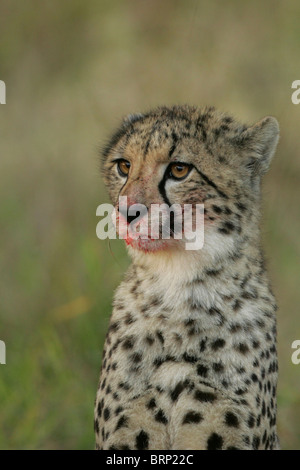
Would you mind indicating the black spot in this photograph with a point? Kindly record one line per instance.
(204, 396)
(155, 302)
(150, 340)
(189, 322)
(229, 226)
(188, 358)
(231, 420)
(218, 367)
(214, 442)
(177, 390)
(251, 421)
(151, 404)
(250, 295)
(142, 441)
(256, 442)
(161, 417)
(124, 386)
(122, 422)
(114, 326)
(223, 230)
(218, 344)
(241, 206)
(258, 420)
(240, 391)
(232, 448)
(103, 384)
(264, 437)
(158, 361)
(227, 210)
(192, 417)
(160, 337)
(217, 209)
(119, 409)
(192, 331)
(129, 319)
(202, 370)
(136, 357)
(99, 409)
(128, 343)
(242, 348)
(237, 305)
(106, 414)
(96, 426)
(213, 272)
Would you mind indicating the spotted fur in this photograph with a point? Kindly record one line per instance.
(190, 360)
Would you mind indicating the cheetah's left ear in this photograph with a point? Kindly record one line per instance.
(132, 118)
(260, 141)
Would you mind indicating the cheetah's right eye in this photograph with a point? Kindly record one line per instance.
(123, 167)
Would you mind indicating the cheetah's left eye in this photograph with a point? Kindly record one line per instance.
(178, 171)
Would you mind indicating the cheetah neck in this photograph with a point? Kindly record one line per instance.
(186, 283)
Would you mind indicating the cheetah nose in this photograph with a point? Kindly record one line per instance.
(141, 210)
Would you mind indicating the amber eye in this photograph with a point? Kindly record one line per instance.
(179, 171)
(123, 167)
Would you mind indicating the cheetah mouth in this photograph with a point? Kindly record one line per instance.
(150, 245)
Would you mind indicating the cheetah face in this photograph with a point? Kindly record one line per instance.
(185, 155)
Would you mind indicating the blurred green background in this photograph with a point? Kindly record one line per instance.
(72, 69)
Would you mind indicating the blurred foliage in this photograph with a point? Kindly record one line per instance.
(72, 69)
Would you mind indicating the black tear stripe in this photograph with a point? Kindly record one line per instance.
(174, 143)
(211, 183)
(162, 184)
(162, 191)
(162, 188)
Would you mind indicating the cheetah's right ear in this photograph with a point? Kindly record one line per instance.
(259, 144)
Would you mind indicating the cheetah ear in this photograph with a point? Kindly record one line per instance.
(132, 118)
(259, 142)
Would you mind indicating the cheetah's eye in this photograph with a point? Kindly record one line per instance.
(123, 167)
(178, 171)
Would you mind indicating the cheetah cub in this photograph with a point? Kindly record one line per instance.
(190, 360)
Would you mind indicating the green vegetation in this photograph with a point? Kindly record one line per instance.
(71, 70)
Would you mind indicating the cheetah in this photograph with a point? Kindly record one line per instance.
(190, 360)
